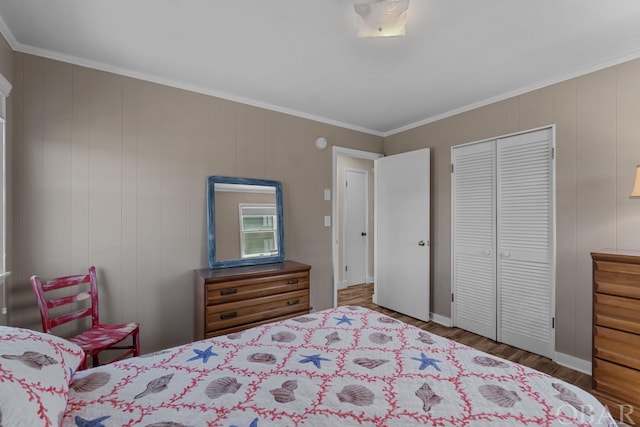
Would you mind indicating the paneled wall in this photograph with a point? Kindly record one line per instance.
(598, 146)
(111, 171)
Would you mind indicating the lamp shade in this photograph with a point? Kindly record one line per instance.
(635, 193)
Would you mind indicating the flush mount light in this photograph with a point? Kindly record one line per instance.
(381, 18)
(321, 143)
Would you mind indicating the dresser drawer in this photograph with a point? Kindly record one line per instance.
(617, 312)
(223, 316)
(615, 380)
(235, 290)
(621, 279)
(245, 326)
(616, 346)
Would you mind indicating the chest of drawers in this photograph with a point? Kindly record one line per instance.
(616, 332)
(232, 299)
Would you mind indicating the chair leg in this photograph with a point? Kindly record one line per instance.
(136, 344)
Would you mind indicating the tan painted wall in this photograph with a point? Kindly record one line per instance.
(597, 119)
(111, 171)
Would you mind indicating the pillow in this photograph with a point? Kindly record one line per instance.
(35, 371)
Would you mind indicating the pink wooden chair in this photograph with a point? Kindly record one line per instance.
(98, 337)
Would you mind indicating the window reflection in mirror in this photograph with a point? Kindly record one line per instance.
(244, 221)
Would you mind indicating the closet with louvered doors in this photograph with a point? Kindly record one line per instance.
(503, 239)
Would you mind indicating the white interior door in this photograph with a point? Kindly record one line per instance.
(355, 227)
(473, 187)
(402, 213)
(526, 242)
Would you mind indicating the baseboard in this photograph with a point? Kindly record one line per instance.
(574, 363)
(441, 320)
(370, 279)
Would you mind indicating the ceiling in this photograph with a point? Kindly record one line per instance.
(303, 57)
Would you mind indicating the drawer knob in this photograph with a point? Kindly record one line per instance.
(292, 282)
(229, 291)
(231, 315)
(293, 301)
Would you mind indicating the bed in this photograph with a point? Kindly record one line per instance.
(347, 366)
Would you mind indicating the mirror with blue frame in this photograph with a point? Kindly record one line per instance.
(244, 221)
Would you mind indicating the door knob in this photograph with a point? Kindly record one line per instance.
(363, 234)
(421, 243)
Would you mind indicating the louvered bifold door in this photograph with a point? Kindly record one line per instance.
(474, 230)
(525, 242)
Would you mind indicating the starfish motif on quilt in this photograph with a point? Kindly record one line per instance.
(315, 359)
(81, 422)
(425, 362)
(254, 423)
(203, 354)
(344, 319)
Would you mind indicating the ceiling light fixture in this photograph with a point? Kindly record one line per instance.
(381, 18)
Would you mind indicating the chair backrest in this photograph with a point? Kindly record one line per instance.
(75, 292)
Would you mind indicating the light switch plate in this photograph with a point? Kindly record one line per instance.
(327, 220)
(327, 194)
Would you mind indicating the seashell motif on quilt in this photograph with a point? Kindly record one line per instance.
(571, 398)
(425, 338)
(220, 386)
(155, 386)
(32, 359)
(91, 382)
(428, 397)
(379, 338)
(499, 395)
(304, 319)
(356, 395)
(388, 320)
(332, 337)
(489, 362)
(369, 363)
(285, 394)
(235, 336)
(266, 358)
(283, 336)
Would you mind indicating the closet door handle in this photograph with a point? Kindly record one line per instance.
(506, 254)
(421, 243)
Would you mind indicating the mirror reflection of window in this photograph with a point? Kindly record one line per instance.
(258, 230)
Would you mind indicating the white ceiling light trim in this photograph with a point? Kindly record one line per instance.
(381, 18)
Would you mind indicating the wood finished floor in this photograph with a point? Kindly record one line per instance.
(361, 295)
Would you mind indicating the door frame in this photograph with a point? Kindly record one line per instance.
(366, 219)
(335, 152)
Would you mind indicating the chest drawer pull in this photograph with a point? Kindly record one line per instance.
(229, 291)
(230, 315)
(293, 301)
(292, 282)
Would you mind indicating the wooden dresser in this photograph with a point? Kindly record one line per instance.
(616, 332)
(232, 299)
